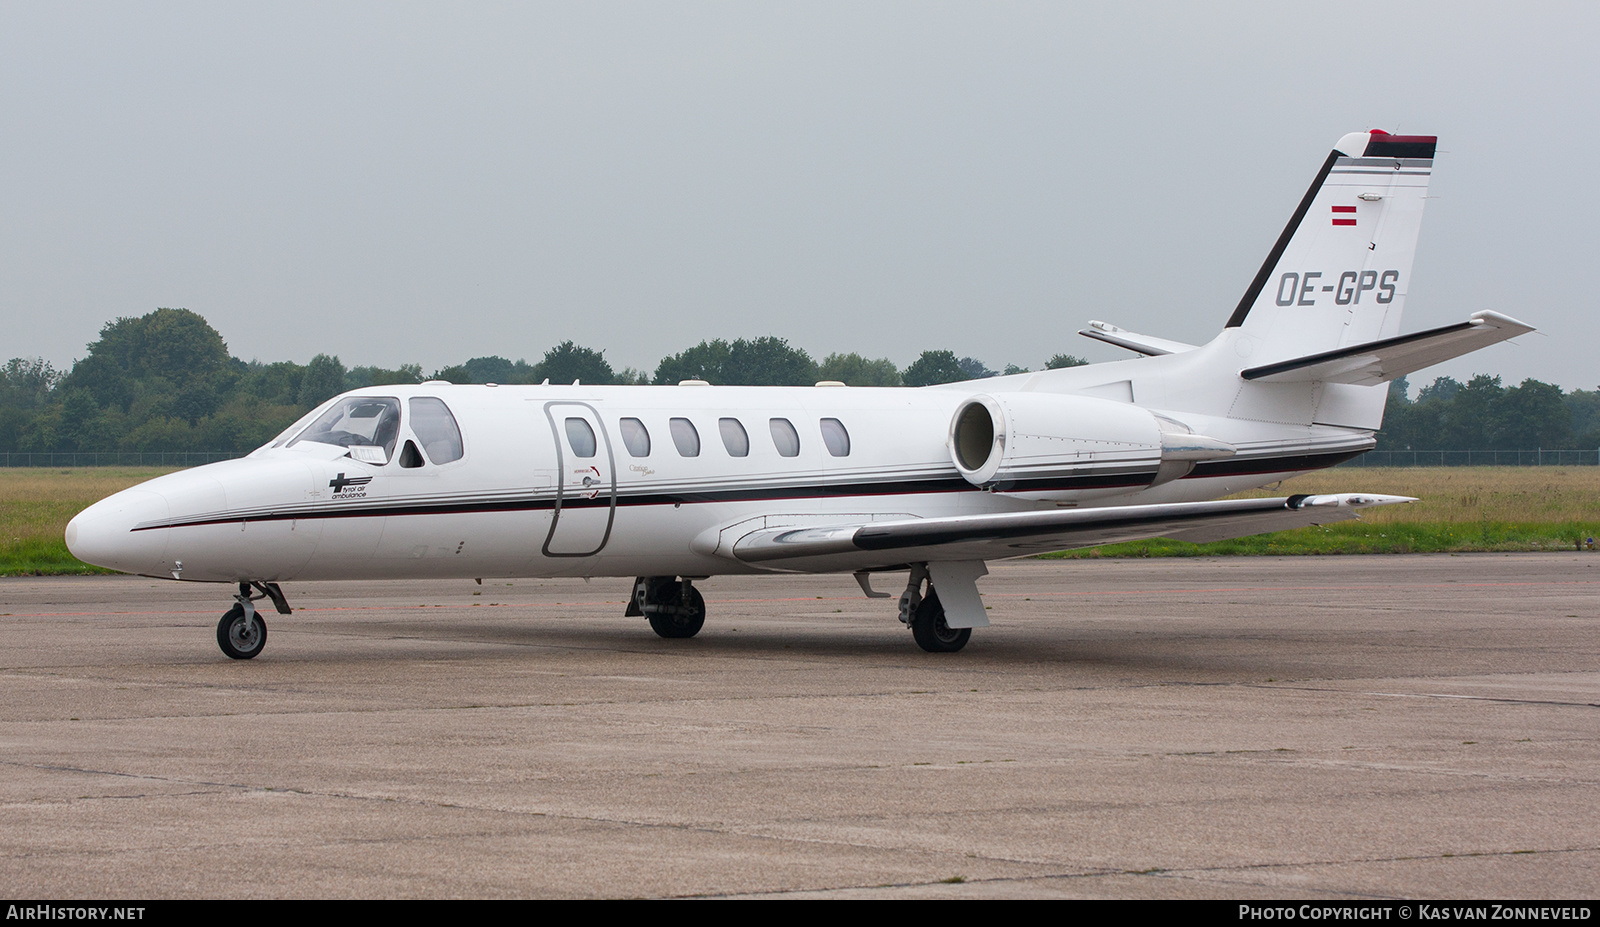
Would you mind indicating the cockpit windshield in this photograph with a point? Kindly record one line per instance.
(367, 425)
(299, 425)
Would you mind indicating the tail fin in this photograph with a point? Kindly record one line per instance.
(1339, 272)
(1317, 334)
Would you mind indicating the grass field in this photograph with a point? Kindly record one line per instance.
(37, 502)
(1462, 509)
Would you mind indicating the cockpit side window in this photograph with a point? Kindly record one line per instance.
(367, 425)
(436, 428)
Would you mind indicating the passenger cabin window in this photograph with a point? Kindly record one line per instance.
(436, 428)
(635, 437)
(785, 438)
(835, 437)
(685, 437)
(369, 426)
(734, 437)
(581, 437)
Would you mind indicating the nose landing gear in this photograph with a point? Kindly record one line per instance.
(242, 633)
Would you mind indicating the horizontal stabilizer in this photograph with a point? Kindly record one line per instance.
(1389, 358)
(866, 545)
(1144, 344)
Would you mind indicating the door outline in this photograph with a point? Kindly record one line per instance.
(561, 478)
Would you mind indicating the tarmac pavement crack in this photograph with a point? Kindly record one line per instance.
(1158, 872)
(1560, 703)
(511, 706)
(1432, 770)
(759, 832)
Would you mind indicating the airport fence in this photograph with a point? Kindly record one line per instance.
(1538, 457)
(113, 458)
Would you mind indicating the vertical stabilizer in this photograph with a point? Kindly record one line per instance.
(1338, 274)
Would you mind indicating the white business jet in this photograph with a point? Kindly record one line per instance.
(675, 484)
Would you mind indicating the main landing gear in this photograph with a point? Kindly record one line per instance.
(674, 606)
(924, 615)
(938, 624)
(242, 633)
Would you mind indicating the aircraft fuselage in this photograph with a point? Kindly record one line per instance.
(524, 500)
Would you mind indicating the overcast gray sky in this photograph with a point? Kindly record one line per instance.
(395, 182)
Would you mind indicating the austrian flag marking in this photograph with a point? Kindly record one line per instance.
(1344, 215)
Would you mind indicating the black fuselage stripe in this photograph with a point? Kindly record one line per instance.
(1230, 467)
(884, 488)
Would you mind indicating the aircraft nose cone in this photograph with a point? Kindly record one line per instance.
(103, 534)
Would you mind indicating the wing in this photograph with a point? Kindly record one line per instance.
(866, 545)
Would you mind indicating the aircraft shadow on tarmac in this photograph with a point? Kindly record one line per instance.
(1170, 653)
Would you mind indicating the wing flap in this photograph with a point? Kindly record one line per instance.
(1021, 534)
(1384, 360)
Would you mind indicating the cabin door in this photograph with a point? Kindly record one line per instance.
(586, 481)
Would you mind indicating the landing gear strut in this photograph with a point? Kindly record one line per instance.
(242, 633)
(923, 614)
(674, 606)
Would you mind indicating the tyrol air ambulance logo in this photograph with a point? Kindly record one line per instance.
(353, 487)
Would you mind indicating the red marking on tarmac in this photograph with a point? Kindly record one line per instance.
(1340, 588)
(846, 598)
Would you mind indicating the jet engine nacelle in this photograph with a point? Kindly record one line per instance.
(1061, 448)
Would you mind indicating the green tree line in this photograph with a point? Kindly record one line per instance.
(166, 382)
(1481, 415)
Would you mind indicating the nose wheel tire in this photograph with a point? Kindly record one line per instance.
(238, 638)
(675, 616)
(930, 631)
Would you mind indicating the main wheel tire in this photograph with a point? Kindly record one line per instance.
(235, 640)
(930, 631)
(671, 619)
